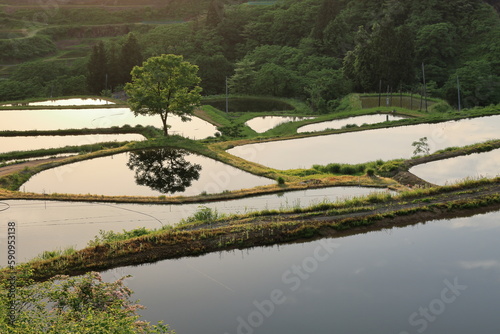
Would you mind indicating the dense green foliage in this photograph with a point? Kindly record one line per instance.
(315, 50)
(164, 85)
(64, 305)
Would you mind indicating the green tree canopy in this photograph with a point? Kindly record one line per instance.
(164, 85)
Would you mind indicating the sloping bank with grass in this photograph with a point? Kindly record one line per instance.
(209, 232)
(285, 180)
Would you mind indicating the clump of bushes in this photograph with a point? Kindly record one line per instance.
(111, 236)
(203, 215)
(370, 172)
(390, 167)
(347, 169)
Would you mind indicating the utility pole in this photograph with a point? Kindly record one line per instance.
(227, 97)
(425, 87)
(458, 89)
(387, 97)
(379, 92)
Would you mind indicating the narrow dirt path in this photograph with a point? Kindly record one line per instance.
(10, 169)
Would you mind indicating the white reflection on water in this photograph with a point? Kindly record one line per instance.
(339, 123)
(263, 123)
(26, 143)
(61, 119)
(369, 145)
(66, 102)
(71, 102)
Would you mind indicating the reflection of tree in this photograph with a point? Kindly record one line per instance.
(164, 170)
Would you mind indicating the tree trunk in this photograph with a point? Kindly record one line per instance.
(164, 121)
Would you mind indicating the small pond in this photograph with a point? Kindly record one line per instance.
(144, 173)
(369, 145)
(248, 104)
(340, 123)
(61, 119)
(455, 169)
(264, 123)
(49, 225)
(438, 277)
(28, 143)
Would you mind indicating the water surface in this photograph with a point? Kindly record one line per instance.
(340, 123)
(122, 174)
(29, 143)
(61, 119)
(66, 102)
(72, 102)
(455, 169)
(264, 123)
(49, 225)
(370, 283)
(369, 145)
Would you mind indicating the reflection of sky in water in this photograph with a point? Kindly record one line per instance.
(264, 123)
(8, 144)
(371, 283)
(369, 145)
(72, 102)
(456, 169)
(111, 176)
(53, 224)
(339, 123)
(98, 118)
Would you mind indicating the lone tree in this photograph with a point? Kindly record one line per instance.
(164, 85)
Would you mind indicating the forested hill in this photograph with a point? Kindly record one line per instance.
(322, 49)
(316, 50)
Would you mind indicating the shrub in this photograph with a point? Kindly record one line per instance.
(390, 167)
(347, 170)
(370, 172)
(360, 168)
(441, 107)
(84, 304)
(203, 215)
(333, 168)
(281, 181)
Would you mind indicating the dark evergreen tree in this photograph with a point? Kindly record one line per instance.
(130, 56)
(327, 12)
(97, 69)
(115, 73)
(215, 13)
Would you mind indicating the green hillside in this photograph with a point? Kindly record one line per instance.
(314, 50)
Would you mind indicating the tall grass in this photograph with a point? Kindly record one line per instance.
(204, 215)
(111, 236)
